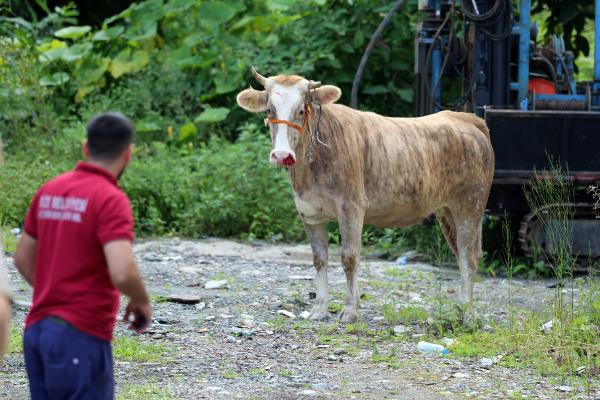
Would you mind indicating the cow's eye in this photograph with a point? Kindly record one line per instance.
(270, 111)
(301, 112)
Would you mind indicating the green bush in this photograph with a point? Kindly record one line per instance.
(221, 189)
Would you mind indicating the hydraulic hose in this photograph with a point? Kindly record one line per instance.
(370, 46)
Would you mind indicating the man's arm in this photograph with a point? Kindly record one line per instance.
(25, 257)
(126, 277)
(5, 310)
(5, 314)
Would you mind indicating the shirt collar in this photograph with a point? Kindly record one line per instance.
(95, 169)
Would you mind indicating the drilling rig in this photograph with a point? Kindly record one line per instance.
(486, 55)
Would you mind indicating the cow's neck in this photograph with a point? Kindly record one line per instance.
(311, 153)
(300, 172)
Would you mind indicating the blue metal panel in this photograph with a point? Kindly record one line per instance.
(436, 69)
(524, 30)
(561, 97)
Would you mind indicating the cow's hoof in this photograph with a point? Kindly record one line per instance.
(348, 316)
(317, 315)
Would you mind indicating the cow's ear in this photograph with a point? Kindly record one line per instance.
(253, 100)
(327, 94)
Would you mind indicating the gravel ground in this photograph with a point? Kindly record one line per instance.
(235, 343)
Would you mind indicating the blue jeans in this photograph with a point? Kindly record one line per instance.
(64, 363)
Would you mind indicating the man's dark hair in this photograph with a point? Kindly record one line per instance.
(108, 135)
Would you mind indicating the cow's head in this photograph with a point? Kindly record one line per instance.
(286, 99)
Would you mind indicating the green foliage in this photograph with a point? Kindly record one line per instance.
(169, 37)
(222, 189)
(569, 19)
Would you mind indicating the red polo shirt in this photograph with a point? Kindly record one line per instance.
(72, 217)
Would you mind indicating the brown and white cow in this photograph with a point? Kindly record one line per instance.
(359, 167)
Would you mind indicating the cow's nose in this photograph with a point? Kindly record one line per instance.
(280, 157)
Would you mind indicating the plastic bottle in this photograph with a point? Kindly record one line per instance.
(401, 261)
(432, 348)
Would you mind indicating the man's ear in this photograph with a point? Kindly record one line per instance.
(85, 149)
(327, 94)
(129, 153)
(253, 100)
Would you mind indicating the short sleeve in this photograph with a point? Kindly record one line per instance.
(115, 220)
(31, 217)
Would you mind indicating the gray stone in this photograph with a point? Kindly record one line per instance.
(460, 375)
(241, 332)
(215, 284)
(339, 351)
(486, 362)
(287, 313)
(184, 298)
(320, 386)
(401, 330)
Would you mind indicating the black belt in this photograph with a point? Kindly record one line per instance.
(58, 320)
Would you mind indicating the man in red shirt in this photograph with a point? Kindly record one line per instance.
(76, 252)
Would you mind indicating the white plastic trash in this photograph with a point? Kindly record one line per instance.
(432, 348)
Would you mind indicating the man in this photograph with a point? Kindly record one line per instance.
(5, 310)
(76, 252)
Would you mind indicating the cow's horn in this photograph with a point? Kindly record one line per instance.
(259, 78)
(313, 85)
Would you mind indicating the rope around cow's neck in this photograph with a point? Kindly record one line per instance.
(314, 136)
(306, 123)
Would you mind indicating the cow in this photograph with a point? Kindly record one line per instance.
(359, 168)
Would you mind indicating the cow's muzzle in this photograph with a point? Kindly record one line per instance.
(280, 157)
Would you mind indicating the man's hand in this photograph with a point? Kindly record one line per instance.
(126, 277)
(142, 315)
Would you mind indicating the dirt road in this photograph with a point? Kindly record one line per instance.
(246, 338)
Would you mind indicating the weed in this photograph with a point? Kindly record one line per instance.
(379, 284)
(286, 373)
(158, 298)
(391, 359)
(335, 307)
(133, 349)
(396, 272)
(148, 391)
(279, 323)
(15, 340)
(257, 371)
(366, 297)
(302, 325)
(406, 314)
(231, 374)
(356, 328)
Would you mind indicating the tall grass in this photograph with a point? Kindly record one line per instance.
(575, 335)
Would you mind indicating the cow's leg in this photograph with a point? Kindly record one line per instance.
(448, 227)
(351, 224)
(469, 251)
(318, 242)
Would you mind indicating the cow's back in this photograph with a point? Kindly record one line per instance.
(407, 167)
